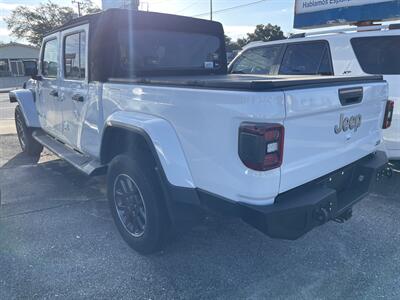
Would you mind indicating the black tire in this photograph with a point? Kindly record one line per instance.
(28, 144)
(145, 198)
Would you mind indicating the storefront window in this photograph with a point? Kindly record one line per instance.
(4, 70)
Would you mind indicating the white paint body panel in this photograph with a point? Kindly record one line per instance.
(206, 123)
(26, 101)
(313, 148)
(345, 63)
(164, 139)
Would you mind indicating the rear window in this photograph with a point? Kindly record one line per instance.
(378, 55)
(166, 52)
(261, 60)
(310, 58)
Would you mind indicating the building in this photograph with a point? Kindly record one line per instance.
(130, 4)
(16, 58)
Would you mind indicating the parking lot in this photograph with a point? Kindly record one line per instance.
(57, 239)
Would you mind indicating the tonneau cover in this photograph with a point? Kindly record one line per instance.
(250, 82)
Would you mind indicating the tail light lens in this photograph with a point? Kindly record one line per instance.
(387, 121)
(261, 145)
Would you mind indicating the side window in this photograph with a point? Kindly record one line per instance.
(378, 54)
(261, 60)
(306, 59)
(49, 60)
(4, 69)
(325, 67)
(75, 56)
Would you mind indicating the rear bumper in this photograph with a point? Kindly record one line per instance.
(298, 211)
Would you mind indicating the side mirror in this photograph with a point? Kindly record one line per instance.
(31, 68)
(37, 77)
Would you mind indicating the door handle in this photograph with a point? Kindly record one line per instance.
(350, 96)
(78, 98)
(54, 93)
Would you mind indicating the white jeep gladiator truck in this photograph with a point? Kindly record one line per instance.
(146, 99)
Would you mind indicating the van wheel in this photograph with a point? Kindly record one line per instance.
(28, 144)
(136, 204)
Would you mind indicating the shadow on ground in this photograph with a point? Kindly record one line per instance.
(57, 239)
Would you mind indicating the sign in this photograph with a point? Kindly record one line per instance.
(323, 13)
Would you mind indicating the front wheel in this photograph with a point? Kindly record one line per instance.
(136, 204)
(28, 144)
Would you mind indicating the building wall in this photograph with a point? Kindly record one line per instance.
(16, 60)
(16, 51)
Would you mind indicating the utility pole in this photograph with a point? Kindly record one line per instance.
(79, 6)
(211, 10)
(145, 3)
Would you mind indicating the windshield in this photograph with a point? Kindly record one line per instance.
(151, 51)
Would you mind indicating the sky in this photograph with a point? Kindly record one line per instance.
(237, 22)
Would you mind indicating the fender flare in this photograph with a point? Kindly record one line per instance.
(26, 100)
(163, 141)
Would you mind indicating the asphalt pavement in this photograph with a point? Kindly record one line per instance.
(57, 240)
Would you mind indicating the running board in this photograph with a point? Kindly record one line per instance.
(83, 163)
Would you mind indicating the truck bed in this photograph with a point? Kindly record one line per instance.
(245, 82)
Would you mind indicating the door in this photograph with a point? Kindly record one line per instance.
(48, 104)
(74, 83)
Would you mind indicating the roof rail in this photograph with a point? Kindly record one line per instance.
(251, 44)
(297, 35)
(350, 29)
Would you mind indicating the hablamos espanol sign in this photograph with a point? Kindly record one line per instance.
(322, 13)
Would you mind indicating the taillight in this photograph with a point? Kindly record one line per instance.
(387, 121)
(261, 145)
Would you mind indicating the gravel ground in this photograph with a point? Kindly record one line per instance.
(57, 239)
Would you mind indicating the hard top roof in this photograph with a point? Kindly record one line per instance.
(117, 12)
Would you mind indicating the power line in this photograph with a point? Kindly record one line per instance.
(230, 8)
(187, 7)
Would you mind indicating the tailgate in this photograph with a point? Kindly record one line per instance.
(327, 128)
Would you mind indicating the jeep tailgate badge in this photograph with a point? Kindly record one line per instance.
(345, 123)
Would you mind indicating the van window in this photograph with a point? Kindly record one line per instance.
(311, 58)
(75, 56)
(261, 60)
(49, 61)
(378, 55)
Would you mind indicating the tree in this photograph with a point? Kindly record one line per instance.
(33, 23)
(88, 7)
(263, 33)
(231, 46)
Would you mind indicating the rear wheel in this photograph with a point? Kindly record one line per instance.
(136, 203)
(28, 144)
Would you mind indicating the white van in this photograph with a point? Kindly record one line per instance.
(352, 51)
